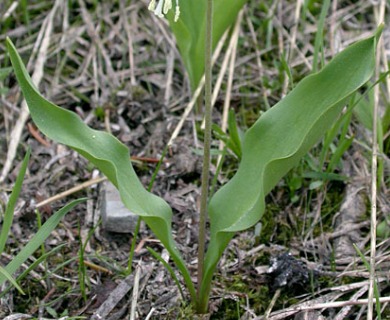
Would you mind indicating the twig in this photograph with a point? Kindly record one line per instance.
(226, 105)
(96, 40)
(97, 267)
(35, 133)
(150, 313)
(332, 27)
(130, 43)
(70, 191)
(221, 74)
(113, 299)
(326, 305)
(196, 94)
(290, 49)
(342, 314)
(169, 76)
(258, 59)
(135, 293)
(272, 303)
(46, 30)
(10, 10)
(374, 172)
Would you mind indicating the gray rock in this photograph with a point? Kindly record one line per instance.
(116, 217)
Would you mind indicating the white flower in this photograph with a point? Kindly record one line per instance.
(163, 7)
(167, 6)
(158, 11)
(177, 11)
(152, 5)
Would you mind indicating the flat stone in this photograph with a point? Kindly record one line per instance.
(116, 217)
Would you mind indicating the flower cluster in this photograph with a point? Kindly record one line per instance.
(163, 7)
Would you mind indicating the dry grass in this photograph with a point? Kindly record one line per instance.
(117, 66)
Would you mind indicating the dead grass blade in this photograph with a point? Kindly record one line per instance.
(46, 31)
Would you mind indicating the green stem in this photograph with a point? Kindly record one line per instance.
(206, 152)
(132, 246)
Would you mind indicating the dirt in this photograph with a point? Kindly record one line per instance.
(88, 71)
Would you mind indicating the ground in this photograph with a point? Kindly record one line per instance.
(116, 65)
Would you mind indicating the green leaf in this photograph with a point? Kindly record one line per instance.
(6, 275)
(9, 211)
(38, 239)
(364, 109)
(190, 32)
(234, 133)
(4, 72)
(339, 128)
(343, 146)
(23, 274)
(107, 153)
(276, 142)
(325, 176)
(168, 267)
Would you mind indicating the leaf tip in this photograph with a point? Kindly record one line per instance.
(8, 41)
(10, 46)
(378, 31)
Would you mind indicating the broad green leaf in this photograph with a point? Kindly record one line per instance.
(189, 31)
(38, 239)
(107, 153)
(9, 211)
(276, 142)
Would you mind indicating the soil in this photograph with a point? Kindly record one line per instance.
(87, 70)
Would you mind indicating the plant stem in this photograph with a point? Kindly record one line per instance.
(206, 150)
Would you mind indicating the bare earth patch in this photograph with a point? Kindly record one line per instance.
(117, 67)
